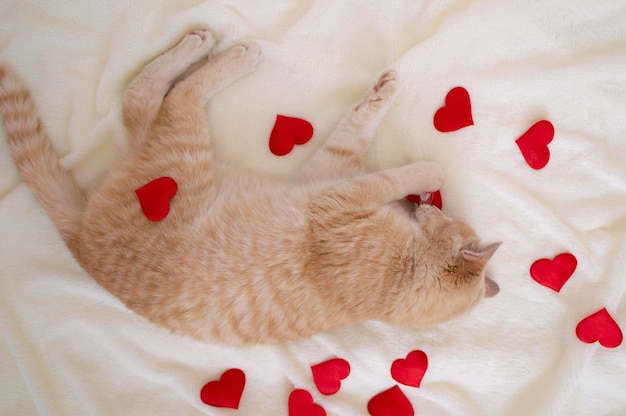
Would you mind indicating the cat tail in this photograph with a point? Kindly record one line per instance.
(33, 154)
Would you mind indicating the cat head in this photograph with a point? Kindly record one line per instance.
(454, 278)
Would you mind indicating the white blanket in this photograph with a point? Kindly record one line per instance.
(68, 347)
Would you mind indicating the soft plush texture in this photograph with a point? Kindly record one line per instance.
(71, 348)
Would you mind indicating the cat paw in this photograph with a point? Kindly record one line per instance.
(195, 45)
(428, 177)
(381, 95)
(203, 34)
(387, 81)
(247, 56)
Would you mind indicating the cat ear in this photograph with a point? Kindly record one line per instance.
(479, 258)
(482, 254)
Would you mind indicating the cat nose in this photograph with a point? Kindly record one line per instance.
(491, 288)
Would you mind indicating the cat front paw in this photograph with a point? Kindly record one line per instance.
(387, 81)
(379, 97)
(427, 176)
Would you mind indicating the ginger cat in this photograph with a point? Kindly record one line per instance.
(268, 261)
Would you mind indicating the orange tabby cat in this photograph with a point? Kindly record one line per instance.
(267, 261)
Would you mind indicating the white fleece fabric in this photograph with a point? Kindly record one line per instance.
(68, 347)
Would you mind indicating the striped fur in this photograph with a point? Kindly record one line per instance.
(53, 186)
(243, 259)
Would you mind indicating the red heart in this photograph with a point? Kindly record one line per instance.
(554, 273)
(328, 375)
(600, 327)
(456, 113)
(390, 402)
(154, 197)
(430, 198)
(287, 132)
(227, 391)
(534, 144)
(301, 404)
(411, 370)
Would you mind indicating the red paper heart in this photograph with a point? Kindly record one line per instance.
(328, 375)
(301, 404)
(554, 273)
(430, 198)
(154, 197)
(600, 327)
(227, 391)
(411, 370)
(456, 113)
(288, 132)
(534, 144)
(390, 402)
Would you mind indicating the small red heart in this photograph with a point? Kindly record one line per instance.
(390, 402)
(154, 197)
(411, 370)
(534, 144)
(227, 391)
(456, 113)
(328, 375)
(430, 198)
(600, 327)
(554, 273)
(288, 132)
(301, 404)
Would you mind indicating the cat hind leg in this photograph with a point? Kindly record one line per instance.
(182, 121)
(214, 75)
(144, 96)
